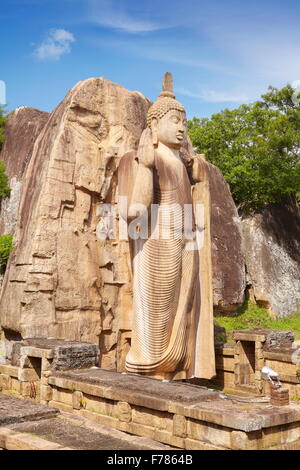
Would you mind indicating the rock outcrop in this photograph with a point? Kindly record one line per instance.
(228, 260)
(61, 280)
(22, 127)
(272, 249)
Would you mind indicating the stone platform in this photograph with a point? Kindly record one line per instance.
(177, 414)
(13, 410)
(26, 425)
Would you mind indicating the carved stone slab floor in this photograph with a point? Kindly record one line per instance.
(13, 410)
(27, 425)
(71, 432)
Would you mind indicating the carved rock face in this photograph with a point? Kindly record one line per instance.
(171, 129)
(22, 127)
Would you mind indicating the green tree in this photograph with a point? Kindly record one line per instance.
(6, 246)
(4, 188)
(256, 146)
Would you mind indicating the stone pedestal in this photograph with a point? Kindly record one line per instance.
(279, 396)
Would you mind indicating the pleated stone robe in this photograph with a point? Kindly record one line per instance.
(169, 340)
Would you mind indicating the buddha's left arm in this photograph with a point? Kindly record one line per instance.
(198, 168)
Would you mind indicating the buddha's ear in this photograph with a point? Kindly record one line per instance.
(154, 125)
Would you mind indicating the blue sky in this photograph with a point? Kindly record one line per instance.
(221, 53)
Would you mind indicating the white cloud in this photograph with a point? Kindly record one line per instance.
(215, 96)
(112, 14)
(2, 93)
(57, 43)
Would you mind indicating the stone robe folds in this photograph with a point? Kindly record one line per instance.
(172, 336)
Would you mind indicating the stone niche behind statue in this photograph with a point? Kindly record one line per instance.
(172, 333)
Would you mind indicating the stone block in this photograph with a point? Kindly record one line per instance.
(22, 441)
(250, 335)
(12, 371)
(124, 412)
(72, 355)
(4, 433)
(100, 405)
(101, 419)
(168, 438)
(60, 406)
(37, 352)
(77, 398)
(179, 426)
(239, 440)
(279, 339)
(30, 389)
(63, 396)
(192, 444)
(5, 382)
(44, 381)
(45, 393)
(15, 385)
(154, 418)
(27, 375)
(46, 364)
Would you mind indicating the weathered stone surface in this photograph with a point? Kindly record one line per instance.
(22, 127)
(14, 410)
(279, 339)
(61, 280)
(271, 339)
(272, 249)
(79, 434)
(228, 263)
(134, 387)
(64, 355)
(216, 414)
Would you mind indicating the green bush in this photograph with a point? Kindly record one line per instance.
(251, 316)
(4, 188)
(6, 246)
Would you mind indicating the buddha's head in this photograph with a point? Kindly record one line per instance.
(167, 118)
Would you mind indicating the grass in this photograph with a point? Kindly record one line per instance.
(296, 398)
(251, 316)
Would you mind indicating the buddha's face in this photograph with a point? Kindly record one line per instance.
(171, 129)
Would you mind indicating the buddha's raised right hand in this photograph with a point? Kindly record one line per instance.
(145, 154)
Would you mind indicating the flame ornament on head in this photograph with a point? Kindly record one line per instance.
(165, 101)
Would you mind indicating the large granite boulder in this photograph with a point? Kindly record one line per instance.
(228, 261)
(22, 127)
(272, 249)
(61, 280)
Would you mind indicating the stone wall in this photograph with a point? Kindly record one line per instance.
(239, 364)
(177, 414)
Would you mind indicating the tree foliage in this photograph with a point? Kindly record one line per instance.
(6, 246)
(256, 146)
(4, 188)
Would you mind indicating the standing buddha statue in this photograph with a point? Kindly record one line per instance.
(172, 336)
